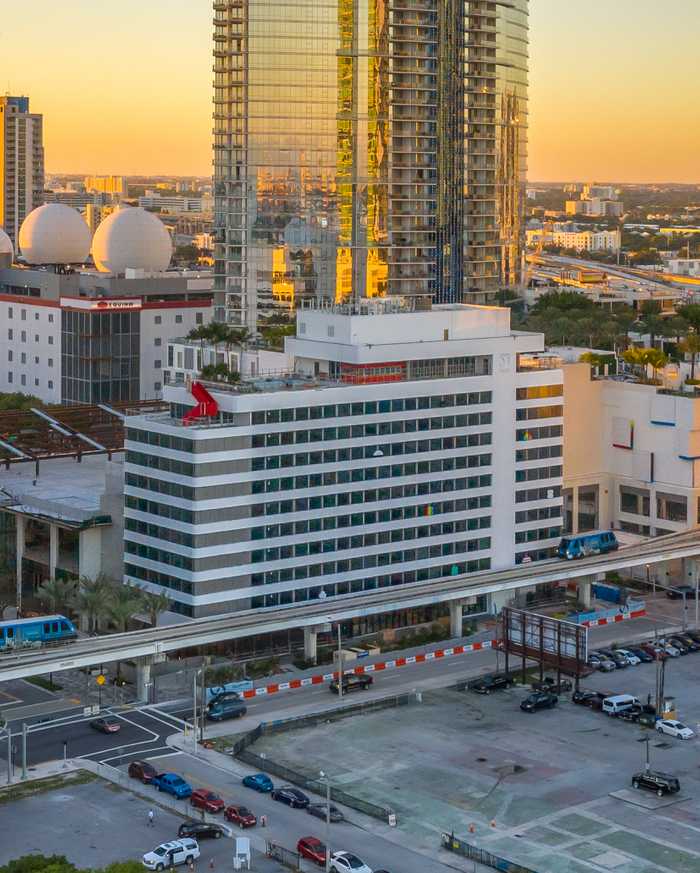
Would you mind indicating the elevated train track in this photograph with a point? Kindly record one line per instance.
(157, 642)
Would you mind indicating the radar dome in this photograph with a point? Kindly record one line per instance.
(131, 238)
(54, 234)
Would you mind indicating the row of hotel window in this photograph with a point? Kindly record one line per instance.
(299, 595)
(313, 525)
(301, 504)
(370, 407)
(318, 480)
(385, 559)
(23, 337)
(23, 315)
(361, 431)
(23, 358)
(23, 380)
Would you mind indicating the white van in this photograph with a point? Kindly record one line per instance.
(619, 703)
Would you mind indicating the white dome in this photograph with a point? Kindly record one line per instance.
(6, 247)
(131, 238)
(54, 234)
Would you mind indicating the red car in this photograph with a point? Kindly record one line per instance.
(142, 770)
(241, 816)
(202, 798)
(313, 849)
(656, 652)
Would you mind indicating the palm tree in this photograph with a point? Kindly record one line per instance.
(154, 604)
(656, 359)
(91, 601)
(123, 604)
(691, 346)
(635, 357)
(56, 594)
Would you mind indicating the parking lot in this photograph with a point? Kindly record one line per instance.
(535, 788)
(95, 823)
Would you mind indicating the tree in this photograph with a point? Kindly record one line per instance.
(40, 864)
(57, 594)
(691, 346)
(656, 359)
(200, 333)
(91, 601)
(690, 313)
(17, 402)
(219, 373)
(123, 604)
(635, 357)
(154, 604)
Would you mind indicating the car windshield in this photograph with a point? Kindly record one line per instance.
(242, 810)
(354, 862)
(176, 780)
(159, 851)
(212, 796)
(681, 727)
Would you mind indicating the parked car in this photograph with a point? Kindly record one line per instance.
(171, 854)
(106, 725)
(583, 697)
(202, 830)
(319, 810)
(173, 784)
(291, 796)
(670, 650)
(654, 650)
(600, 662)
(687, 641)
(224, 708)
(678, 592)
(617, 703)
(142, 770)
(631, 657)
(694, 635)
(358, 682)
(659, 783)
(674, 728)
(241, 816)
(259, 782)
(539, 700)
(643, 656)
(487, 684)
(312, 849)
(346, 862)
(207, 800)
(551, 685)
(619, 660)
(632, 714)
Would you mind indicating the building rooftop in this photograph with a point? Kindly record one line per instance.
(61, 490)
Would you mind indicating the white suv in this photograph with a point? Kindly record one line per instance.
(171, 854)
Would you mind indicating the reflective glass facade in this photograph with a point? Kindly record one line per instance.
(367, 147)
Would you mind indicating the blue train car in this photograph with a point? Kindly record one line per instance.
(583, 545)
(45, 629)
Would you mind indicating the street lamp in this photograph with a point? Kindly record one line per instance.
(325, 779)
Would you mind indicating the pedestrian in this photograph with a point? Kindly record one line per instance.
(263, 821)
(211, 864)
(151, 817)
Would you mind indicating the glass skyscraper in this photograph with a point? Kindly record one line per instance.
(367, 147)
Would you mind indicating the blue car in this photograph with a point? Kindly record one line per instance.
(258, 781)
(173, 784)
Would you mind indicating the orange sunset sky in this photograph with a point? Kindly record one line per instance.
(126, 87)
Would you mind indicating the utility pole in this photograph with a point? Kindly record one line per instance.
(9, 754)
(202, 697)
(340, 665)
(194, 710)
(24, 750)
(328, 821)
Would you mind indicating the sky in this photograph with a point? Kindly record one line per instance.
(125, 87)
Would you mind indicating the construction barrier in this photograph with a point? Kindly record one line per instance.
(615, 617)
(466, 850)
(395, 663)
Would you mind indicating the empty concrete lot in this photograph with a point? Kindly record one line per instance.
(544, 780)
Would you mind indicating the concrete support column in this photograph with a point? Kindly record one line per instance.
(456, 618)
(53, 550)
(310, 640)
(143, 679)
(583, 590)
(21, 544)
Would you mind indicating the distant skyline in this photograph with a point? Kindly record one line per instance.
(611, 86)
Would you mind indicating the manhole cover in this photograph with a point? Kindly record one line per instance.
(518, 768)
(482, 760)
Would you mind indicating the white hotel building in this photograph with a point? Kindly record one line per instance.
(405, 446)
